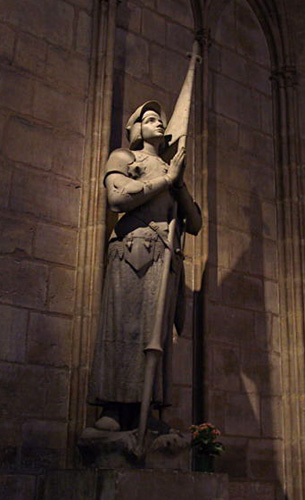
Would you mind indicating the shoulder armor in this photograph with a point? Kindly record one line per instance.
(118, 162)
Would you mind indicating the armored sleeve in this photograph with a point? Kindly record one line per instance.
(118, 162)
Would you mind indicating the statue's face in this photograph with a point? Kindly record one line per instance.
(152, 126)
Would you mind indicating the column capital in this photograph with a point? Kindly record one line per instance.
(286, 76)
(203, 36)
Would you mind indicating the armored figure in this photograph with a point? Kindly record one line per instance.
(148, 192)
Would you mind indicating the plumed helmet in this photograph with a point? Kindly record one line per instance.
(133, 126)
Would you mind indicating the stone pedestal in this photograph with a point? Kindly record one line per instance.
(118, 450)
(143, 484)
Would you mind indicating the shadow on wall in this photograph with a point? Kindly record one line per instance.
(241, 355)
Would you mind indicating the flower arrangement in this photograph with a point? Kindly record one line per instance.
(204, 440)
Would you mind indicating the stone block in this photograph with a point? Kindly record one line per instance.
(219, 246)
(271, 290)
(230, 325)
(4, 116)
(267, 331)
(257, 146)
(223, 133)
(28, 143)
(84, 4)
(55, 244)
(136, 484)
(243, 291)
(265, 258)
(61, 290)
(239, 251)
(31, 54)
(235, 66)
(189, 314)
(149, 3)
(269, 220)
(135, 93)
(252, 490)
(50, 19)
(5, 184)
(17, 487)
(262, 459)
(176, 65)
(179, 38)
(236, 101)
(56, 382)
(243, 415)
(264, 370)
(68, 155)
(59, 109)
(153, 26)
(213, 280)
(262, 180)
(59, 19)
(23, 282)
(10, 430)
(232, 208)
(84, 33)
(16, 235)
(13, 334)
(67, 71)
(251, 41)
(226, 33)
(41, 459)
(131, 54)
(44, 434)
(23, 390)
(16, 91)
(70, 485)
(179, 415)
(217, 407)
(45, 196)
(267, 116)
(226, 369)
(272, 417)
(259, 79)
(129, 16)
(49, 340)
(183, 361)
(177, 10)
(215, 57)
(234, 460)
(8, 458)
(7, 40)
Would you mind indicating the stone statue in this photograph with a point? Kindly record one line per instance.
(146, 189)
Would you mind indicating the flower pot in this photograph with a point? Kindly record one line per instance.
(203, 462)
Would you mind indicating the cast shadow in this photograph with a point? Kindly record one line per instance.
(236, 354)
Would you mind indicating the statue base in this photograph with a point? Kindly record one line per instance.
(113, 450)
(135, 485)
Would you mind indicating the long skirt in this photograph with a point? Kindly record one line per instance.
(128, 313)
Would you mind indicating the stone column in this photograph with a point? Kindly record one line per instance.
(201, 243)
(93, 215)
(291, 252)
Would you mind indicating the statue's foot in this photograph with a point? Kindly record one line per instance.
(156, 425)
(107, 424)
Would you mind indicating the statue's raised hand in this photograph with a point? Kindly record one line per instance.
(176, 169)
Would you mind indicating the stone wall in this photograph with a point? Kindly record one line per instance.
(242, 332)
(44, 65)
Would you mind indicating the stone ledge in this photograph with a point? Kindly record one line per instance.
(135, 485)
